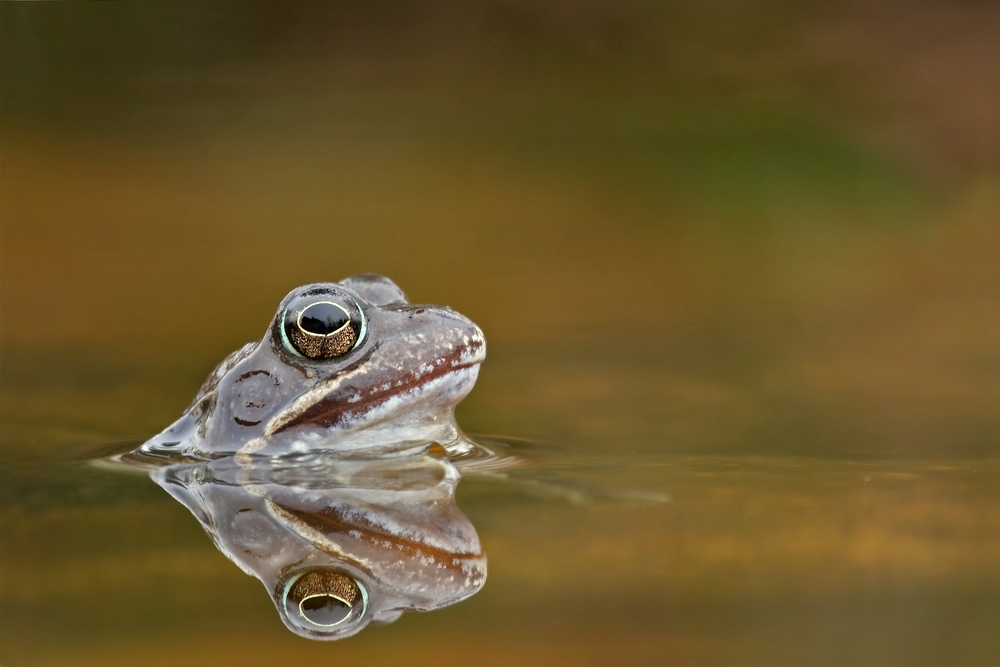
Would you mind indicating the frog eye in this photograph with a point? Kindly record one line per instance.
(322, 601)
(322, 328)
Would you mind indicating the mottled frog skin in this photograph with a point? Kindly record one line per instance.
(320, 459)
(398, 382)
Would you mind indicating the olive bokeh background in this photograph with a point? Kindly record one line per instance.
(753, 234)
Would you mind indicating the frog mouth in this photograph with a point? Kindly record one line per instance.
(345, 401)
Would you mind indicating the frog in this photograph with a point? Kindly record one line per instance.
(323, 458)
(345, 365)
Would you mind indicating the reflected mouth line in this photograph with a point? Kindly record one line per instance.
(331, 522)
(335, 408)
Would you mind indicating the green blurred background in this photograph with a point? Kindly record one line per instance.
(728, 228)
(758, 227)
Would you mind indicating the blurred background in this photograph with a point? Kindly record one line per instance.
(767, 230)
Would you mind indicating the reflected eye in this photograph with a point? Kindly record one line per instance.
(322, 600)
(320, 328)
(325, 609)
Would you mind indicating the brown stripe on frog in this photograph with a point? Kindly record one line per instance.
(336, 409)
(329, 521)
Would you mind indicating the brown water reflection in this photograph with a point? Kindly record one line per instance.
(747, 256)
(754, 560)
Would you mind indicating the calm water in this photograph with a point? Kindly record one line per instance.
(738, 268)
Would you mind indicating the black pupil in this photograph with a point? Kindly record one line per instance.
(325, 610)
(322, 319)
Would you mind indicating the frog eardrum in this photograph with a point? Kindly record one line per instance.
(322, 324)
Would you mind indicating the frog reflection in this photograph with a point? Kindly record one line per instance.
(319, 459)
(339, 543)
